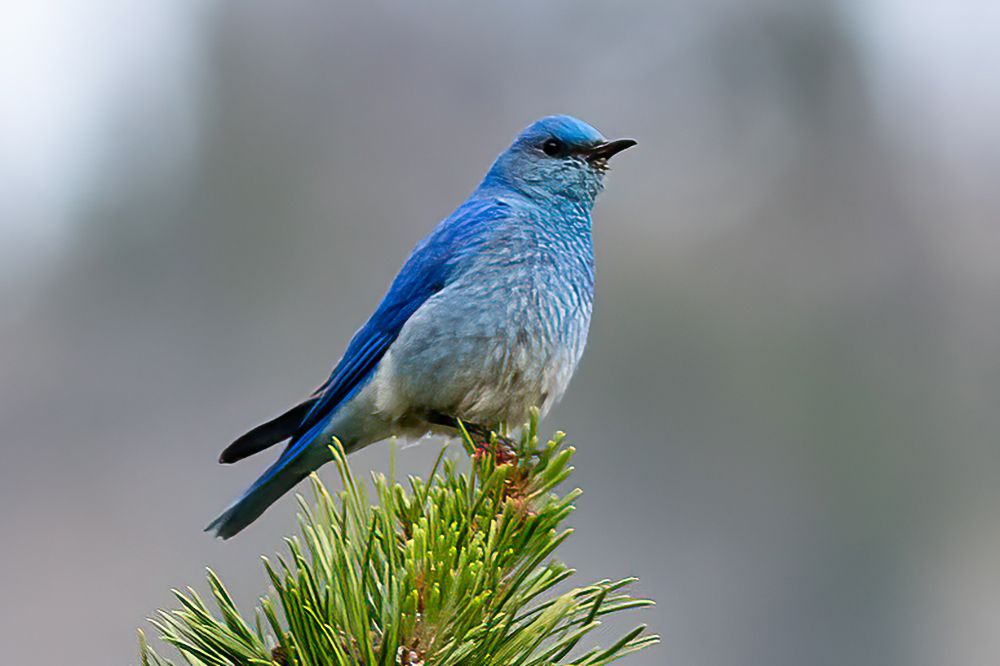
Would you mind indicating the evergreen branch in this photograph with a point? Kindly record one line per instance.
(446, 572)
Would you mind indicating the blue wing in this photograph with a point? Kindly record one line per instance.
(428, 270)
(432, 265)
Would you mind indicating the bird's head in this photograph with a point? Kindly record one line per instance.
(557, 157)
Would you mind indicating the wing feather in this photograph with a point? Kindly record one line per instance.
(429, 268)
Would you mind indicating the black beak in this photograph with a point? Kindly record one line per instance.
(608, 149)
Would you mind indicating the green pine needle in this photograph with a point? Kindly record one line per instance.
(457, 570)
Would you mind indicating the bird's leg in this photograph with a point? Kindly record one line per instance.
(505, 449)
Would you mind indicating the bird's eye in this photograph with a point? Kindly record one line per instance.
(553, 147)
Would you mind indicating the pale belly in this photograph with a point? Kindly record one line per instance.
(484, 360)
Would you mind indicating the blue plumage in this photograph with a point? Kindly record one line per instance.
(487, 318)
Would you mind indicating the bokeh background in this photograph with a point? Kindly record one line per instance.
(787, 417)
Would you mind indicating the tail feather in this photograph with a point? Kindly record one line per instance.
(296, 463)
(267, 434)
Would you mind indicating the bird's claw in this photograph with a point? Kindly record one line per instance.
(502, 449)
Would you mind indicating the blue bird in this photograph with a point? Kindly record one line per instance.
(487, 318)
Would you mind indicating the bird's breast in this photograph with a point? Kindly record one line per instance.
(504, 338)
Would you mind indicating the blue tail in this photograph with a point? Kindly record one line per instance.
(298, 461)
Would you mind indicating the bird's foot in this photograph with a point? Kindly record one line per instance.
(502, 449)
(484, 440)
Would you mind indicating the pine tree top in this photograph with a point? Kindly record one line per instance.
(458, 570)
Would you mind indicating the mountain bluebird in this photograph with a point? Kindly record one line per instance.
(487, 318)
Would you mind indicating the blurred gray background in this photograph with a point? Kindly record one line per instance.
(787, 415)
